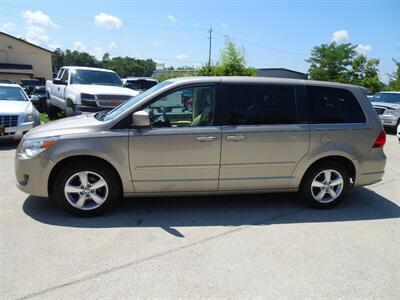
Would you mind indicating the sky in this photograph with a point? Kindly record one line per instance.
(273, 33)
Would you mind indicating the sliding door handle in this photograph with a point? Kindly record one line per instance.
(206, 138)
(235, 138)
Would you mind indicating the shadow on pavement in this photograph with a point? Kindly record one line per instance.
(167, 213)
(8, 144)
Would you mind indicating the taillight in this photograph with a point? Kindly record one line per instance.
(380, 140)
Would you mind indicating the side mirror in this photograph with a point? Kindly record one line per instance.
(59, 81)
(141, 119)
(34, 98)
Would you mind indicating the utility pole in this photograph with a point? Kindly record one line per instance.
(209, 49)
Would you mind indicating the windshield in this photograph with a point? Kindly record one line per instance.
(126, 105)
(95, 77)
(12, 93)
(140, 84)
(386, 97)
(30, 82)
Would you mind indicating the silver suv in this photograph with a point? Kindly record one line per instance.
(239, 135)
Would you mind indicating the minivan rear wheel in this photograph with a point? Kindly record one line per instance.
(325, 185)
(86, 189)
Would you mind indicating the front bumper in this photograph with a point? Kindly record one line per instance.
(18, 132)
(83, 108)
(389, 120)
(33, 174)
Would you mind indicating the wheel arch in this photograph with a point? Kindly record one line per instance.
(346, 162)
(56, 169)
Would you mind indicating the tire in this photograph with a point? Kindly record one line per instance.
(69, 112)
(86, 202)
(70, 109)
(315, 184)
(52, 111)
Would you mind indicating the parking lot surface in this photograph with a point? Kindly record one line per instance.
(265, 246)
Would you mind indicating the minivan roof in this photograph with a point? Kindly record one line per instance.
(248, 79)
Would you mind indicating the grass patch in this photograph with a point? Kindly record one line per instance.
(44, 118)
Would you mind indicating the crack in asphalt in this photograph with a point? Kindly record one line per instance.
(146, 259)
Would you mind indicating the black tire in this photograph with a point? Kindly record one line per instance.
(306, 190)
(69, 112)
(52, 111)
(70, 109)
(102, 169)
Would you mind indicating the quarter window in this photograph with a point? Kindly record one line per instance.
(333, 105)
(187, 107)
(259, 104)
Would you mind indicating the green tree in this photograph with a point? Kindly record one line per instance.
(342, 63)
(129, 66)
(394, 78)
(73, 58)
(331, 62)
(364, 72)
(232, 62)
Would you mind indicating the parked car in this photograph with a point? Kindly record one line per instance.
(6, 81)
(82, 89)
(17, 114)
(29, 84)
(39, 98)
(387, 106)
(398, 132)
(139, 84)
(244, 135)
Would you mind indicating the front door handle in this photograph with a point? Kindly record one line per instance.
(235, 138)
(206, 138)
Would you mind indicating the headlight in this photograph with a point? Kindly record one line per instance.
(394, 112)
(32, 147)
(29, 117)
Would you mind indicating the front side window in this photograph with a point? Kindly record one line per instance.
(187, 107)
(333, 105)
(65, 76)
(12, 93)
(259, 105)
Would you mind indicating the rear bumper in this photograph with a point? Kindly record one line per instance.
(370, 168)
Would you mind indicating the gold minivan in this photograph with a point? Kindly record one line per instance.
(209, 135)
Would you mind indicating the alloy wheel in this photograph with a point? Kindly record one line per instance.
(86, 190)
(327, 186)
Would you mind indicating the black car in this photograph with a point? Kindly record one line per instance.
(29, 84)
(39, 97)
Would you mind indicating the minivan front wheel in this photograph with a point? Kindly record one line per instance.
(325, 185)
(86, 189)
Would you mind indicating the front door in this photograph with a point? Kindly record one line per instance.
(262, 137)
(181, 151)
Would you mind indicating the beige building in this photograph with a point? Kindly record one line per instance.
(20, 59)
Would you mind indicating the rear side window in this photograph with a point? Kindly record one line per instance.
(333, 105)
(259, 105)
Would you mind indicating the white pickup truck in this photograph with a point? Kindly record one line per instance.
(82, 89)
